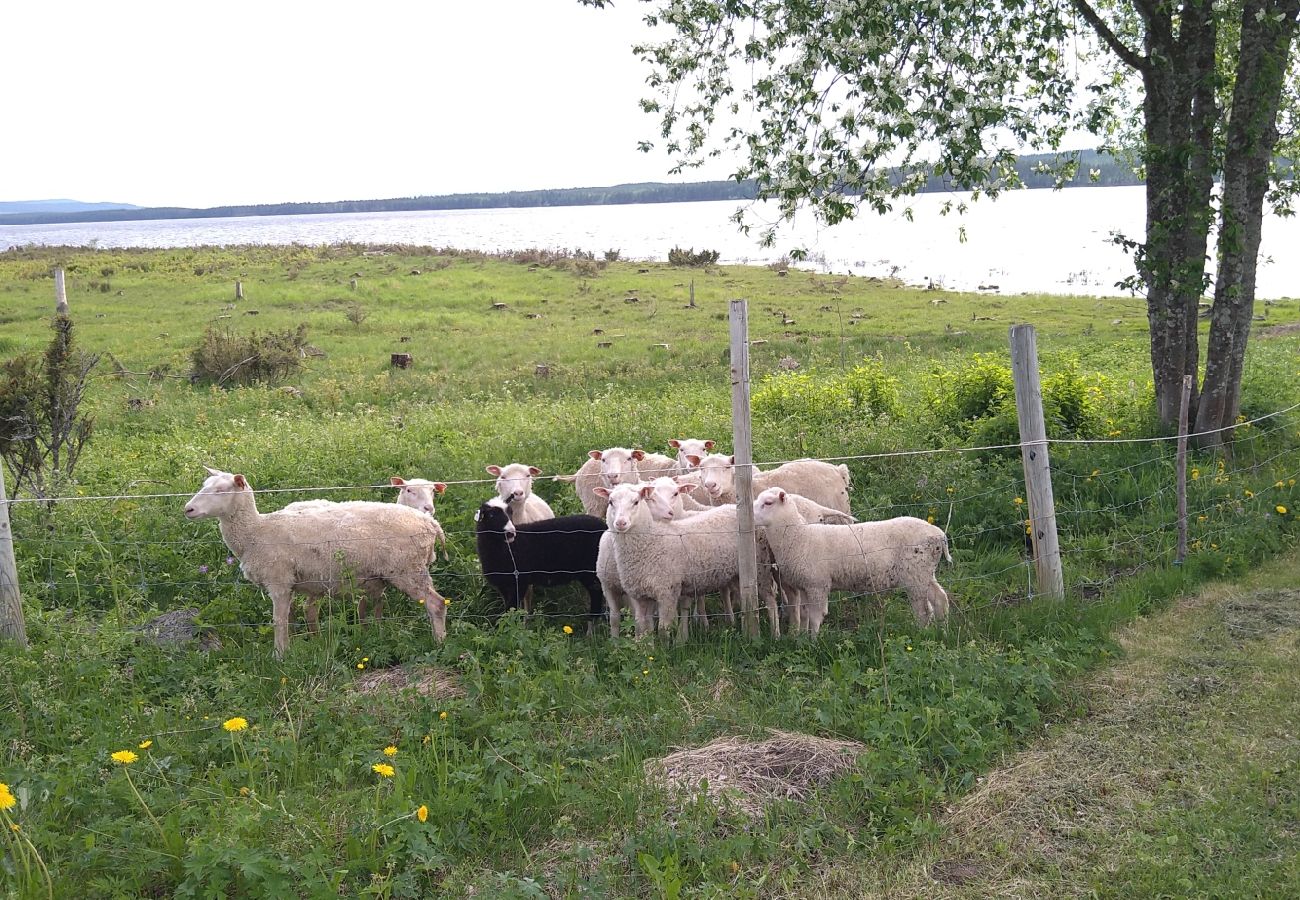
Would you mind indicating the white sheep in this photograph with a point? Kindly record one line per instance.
(688, 447)
(515, 487)
(658, 562)
(322, 549)
(868, 556)
(419, 494)
(612, 467)
(820, 482)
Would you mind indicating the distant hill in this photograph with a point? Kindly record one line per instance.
(1095, 169)
(9, 207)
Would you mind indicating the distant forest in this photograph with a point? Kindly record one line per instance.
(1095, 169)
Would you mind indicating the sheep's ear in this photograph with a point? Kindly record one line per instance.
(477, 513)
(780, 495)
(684, 487)
(646, 490)
(595, 454)
(439, 487)
(533, 470)
(493, 470)
(638, 454)
(396, 482)
(212, 471)
(600, 492)
(692, 459)
(240, 482)
(674, 443)
(731, 460)
(708, 445)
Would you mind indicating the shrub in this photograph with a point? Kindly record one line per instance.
(871, 390)
(801, 396)
(612, 255)
(223, 357)
(981, 388)
(679, 257)
(356, 313)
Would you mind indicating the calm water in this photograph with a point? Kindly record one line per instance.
(1054, 242)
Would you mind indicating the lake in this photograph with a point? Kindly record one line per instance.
(1043, 241)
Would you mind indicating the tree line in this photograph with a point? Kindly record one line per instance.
(1093, 168)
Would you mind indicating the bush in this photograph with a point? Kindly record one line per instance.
(679, 257)
(223, 357)
(865, 392)
(612, 255)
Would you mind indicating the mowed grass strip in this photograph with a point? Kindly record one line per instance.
(1182, 778)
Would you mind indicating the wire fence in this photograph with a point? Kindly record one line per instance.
(1115, 521)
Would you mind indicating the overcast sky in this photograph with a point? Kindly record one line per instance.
(206, 104)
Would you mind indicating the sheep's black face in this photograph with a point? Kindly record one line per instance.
(493, 517)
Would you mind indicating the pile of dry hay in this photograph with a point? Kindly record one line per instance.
(787, 766)
(427, 681)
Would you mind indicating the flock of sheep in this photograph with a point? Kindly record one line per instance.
(658, 537)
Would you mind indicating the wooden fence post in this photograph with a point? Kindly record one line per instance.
(239, 289)
(11, 601)
(1033, 453)
(1181, 469)
(746, 544)
(60, 293)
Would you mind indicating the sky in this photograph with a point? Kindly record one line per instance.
(206, 104)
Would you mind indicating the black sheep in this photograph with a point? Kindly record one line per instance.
(547, 552)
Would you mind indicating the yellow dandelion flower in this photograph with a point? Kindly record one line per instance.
(125, 757)
(384, 770)
(1201, 518)
(1019, 501)
(930, 519)
(13, 826)
(145, 745)
(390, 751)
(1095, 473)
(645, 671)
(238, 723)
(1196, 473)
(446, 601)
(244, 792)
(1281, 510)
(428, 738)
(909, 648)
(443, 714)
(568, 629)
(361, 665)
(1280, 484)
(422, 813)
(365, 659)
(1250, 494)
(7, 799)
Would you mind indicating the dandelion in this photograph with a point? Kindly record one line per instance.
(645, 671)
(1201, 518)
(384, 770)
(446, 601)
(1281, 510)
(568, 629)
(428, 738)
(1279, 484)
(443, 715)
(422, 813)
(1019, 501)
(1095, 473)
(244, 792)
(7, 800)
(909, 648)
(13, 826)
(238, 723)
(1196, 473)
(145, 745)
(1250, 494)
(930, 519)
(390, 751)
(125, 757)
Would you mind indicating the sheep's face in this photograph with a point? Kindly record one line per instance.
(418, 493)
(618, 465)
(628, 505)
(688, 447)
(769, 505)
(515, 481)
(494, 516)
(718, 476)
(217, 495)
(665, 502)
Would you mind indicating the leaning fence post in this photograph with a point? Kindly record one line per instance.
(11, 601)
(1181, 468)
(1033, 453)
(746, 544)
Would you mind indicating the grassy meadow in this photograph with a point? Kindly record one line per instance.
(527, 761)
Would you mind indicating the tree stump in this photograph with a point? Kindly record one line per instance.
(400, 360)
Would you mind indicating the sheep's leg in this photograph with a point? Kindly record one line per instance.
(597, 605)
(767, 593)
(371, 602)
(920, 597)
(311, 612)
(667, 603)
(793, 608)
(815, 605)
(419, 587)
(281, 604)
(615, 600)
(938, 601)
(728, 604)
(644, 610)
(702, 610)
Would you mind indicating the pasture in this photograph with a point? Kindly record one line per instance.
(519, 763)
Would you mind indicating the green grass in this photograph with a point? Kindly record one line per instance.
(534, 778)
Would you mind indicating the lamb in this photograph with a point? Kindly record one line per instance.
(322, 549)
(515, 486)
(688, 447)
(553, 551)
(418, 494)
(612, 467)
(817, 481)
(868, 556)
(659, 562)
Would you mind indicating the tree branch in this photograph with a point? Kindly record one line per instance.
(1130, 57)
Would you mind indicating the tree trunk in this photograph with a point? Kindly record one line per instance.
(1180, 113)
(1267, 29)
